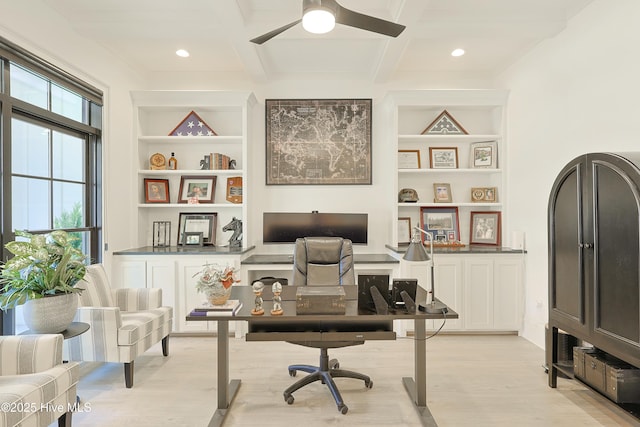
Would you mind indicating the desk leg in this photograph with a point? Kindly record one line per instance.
(417, 389)
(226, 389)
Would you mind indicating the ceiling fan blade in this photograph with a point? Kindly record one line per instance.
(271, 34)
(366, 22)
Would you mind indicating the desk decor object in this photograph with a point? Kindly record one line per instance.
(215, 282)
(234, 189)
(443, 157)
(205, 223)
(484, 155)
(320, 300)
(276, 289)
(235, 225)
(442, 193)
(200, 187)
(442, 223)
(257, 310)
(485, 228)
(161, 234)
(230, 308)
(157, 161)
(318, 142)
(156, 190)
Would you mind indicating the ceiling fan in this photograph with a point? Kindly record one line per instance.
(326, 13)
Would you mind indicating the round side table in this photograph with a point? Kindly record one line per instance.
(74, 329)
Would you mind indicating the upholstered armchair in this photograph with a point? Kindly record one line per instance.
(36, 388)
(124, 322)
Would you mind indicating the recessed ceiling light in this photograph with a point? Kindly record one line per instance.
(457, 52)
(182, 53)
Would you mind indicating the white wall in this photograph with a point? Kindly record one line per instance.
(574, 94)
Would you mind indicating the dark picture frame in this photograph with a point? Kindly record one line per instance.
(318, 141)
(156, 190)
(443, 157)
(201, 186)
(205, 223)
(192, 238)
(442, 222)
(486, 228)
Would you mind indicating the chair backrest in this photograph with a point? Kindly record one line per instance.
(323, 261)
(97, 291)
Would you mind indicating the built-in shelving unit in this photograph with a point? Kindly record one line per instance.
(156, 114)
(480, 112)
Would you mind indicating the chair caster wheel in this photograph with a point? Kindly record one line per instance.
(368, 384)
(289, 399)
(334, 364)
(292, 373)
(343, 409)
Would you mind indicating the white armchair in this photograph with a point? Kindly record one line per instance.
(124, 322)
(36, 388)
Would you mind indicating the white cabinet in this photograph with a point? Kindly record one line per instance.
(481, 113)
(174, 274)
(486, 290)
(156, 114)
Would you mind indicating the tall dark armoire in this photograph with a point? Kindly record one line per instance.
(594, 256)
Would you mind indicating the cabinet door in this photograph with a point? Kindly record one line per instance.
(478, 283)
(129, 273)
(507, 293)
(448, 289)
(188, 297)
(161, 274)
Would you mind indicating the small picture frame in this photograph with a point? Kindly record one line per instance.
(408, 159)
(440, 221)
(442, 193)
(205, 223)
(404, 231)
(484, 155)
(192, 238)
(443, 157)
(156, 190)
(484, 194)
(199, 187)
(485, 228)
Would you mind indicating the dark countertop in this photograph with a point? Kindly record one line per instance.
(185, 250)
(288, 259)
(462, 250)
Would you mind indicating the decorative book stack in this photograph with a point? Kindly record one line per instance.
(230, 308)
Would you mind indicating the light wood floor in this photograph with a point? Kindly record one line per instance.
(472, 381)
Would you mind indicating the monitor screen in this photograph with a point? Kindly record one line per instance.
(286, 227)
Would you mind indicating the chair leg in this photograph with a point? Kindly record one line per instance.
(165, 346)
(128, 374)
(65, 419)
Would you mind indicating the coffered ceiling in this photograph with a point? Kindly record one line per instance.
(146, 34)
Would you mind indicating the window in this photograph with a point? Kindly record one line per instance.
(50, 140)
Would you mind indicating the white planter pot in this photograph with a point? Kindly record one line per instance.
(50, 315)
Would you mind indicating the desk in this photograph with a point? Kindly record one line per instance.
(416, 387)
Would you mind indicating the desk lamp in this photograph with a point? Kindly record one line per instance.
(417, 253)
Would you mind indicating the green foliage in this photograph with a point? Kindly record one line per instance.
(44, 265)
(71, 219)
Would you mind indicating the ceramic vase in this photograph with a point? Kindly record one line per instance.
(51, 314)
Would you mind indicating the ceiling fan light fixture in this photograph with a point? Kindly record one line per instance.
(318, 20)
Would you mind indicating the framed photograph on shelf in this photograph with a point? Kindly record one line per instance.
(484, 194)
(408, 159)
(192, 238)
(443, 224)
(442, 193)
(200, 189)
(205, 223)
(484, 155)
(485, 228)
(404, 231)
(443, 157)
(156, 190)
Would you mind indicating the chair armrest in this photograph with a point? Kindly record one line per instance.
(29, 354)
(136, 299)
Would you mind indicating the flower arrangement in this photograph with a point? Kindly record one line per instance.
(42, 265)
(215, 282)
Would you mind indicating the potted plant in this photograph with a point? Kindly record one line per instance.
(215, 282)
(42, 275)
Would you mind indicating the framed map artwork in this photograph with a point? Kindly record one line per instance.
(318, 142)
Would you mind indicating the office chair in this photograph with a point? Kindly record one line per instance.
(323, 261)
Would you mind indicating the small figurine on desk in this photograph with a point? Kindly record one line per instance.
(276, 288)
(257, 291)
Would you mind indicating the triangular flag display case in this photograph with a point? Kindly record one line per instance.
(193, 125)
(444, 124)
